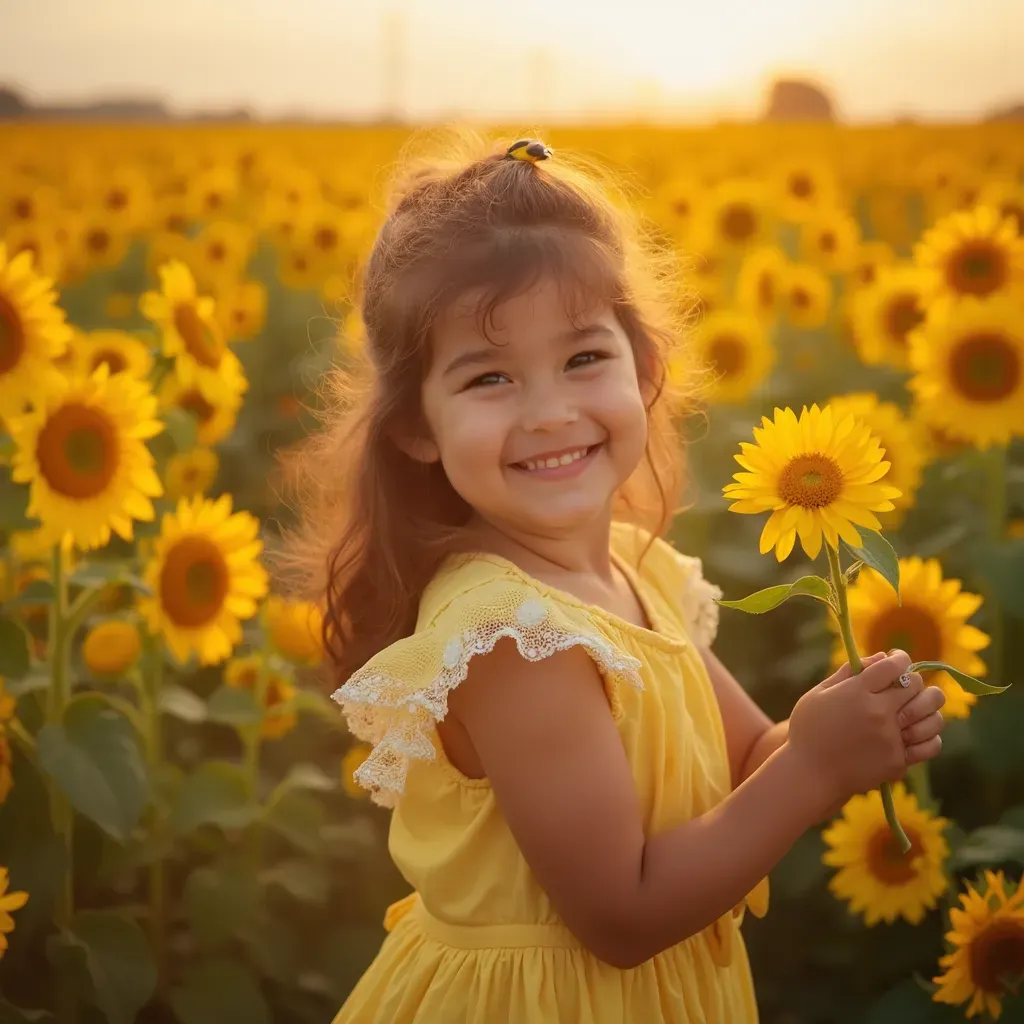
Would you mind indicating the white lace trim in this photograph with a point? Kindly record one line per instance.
(399, 721)
(699, 601)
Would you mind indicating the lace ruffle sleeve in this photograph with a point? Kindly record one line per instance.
(698, 600)
(395, 700)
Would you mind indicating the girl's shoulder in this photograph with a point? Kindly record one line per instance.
(395, 700)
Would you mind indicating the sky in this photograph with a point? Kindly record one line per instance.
(541, 59)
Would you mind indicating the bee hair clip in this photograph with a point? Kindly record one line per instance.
(531, 150)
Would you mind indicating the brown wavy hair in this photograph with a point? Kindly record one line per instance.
(375, 525)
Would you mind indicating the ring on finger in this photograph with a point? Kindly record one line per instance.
(904, 679)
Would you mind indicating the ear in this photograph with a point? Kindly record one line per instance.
(422, 449)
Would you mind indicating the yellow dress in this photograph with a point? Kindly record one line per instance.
(478, 942)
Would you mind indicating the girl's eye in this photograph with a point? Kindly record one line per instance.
(485, 380)
(587, 358)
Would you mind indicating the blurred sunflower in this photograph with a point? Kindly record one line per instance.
(295, 629)
(164, 248)
(928, 620)
(1006, 197)
(760, 281)
(100, 244)
(24, 199)
(125, 197)
(171, 215)
(191, 334)
(119, 351)
(215, 419)
(39, 239)
(830, 239)
(189, 474)
(210, 192)
(242, 310)
(732, 344)
(350, 763)
(973, 253)
(278, 692)
(675, 204)
(947, 181)
(875, 877)
(732, 217)
(818, 476)
(987, 939)
(112, 648)
(869, 259)
(807, 295)
(802, 186)
(82, 451)
(220, 254)
(969, 368)
(883, 314)
(298, 268)
(9, 901)
(32, 333)
(205, 576)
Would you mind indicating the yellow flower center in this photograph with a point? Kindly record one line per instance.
(902, 315)
(997, 956)
(866, 273)
(200, 341)
(909, 628)
(887, 862)
(827, 242)
(800, 185)
(97, 240)
(217, 252)
(113, 359)
(738, 223)
(77, 451)
(116, 200)
(810, 481)
(325, 238)
(985, 367)
(22, 208)
(800, 297)
(681, 208)
(766, 290)
(977, 268)
(193, 402)
(194, 582)
(727, 354)
(12, 336)
(1015, 211)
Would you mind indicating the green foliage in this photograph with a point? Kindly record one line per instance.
(876, 552)
(772, 597)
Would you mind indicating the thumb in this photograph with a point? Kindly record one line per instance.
(844, 671)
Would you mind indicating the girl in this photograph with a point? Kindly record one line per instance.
(585, 800)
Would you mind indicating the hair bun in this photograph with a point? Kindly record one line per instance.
(531, 150)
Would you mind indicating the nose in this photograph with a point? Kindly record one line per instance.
(547, 406)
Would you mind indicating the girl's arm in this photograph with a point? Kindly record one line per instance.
(555, 761)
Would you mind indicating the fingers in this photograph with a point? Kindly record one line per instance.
(922, 730)
(923, 704)
(884, 672)
(844, 672)
(925, 751)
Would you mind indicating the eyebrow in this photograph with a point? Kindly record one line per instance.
(482, 356)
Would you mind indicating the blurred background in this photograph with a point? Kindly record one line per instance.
(186, 194)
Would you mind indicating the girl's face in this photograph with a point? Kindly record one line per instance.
(538, 423)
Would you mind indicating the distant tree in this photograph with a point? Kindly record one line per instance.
(11, 103)
(793, 100)
(1014, 112)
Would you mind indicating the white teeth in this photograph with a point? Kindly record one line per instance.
(552, 463)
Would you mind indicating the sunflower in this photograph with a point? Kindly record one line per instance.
(125, 198)
(868, 260)
(760, 281)
(973, 253)
(117, 350)
(100, 243)
(8, 901)
(111, 648)
(220, 253)
(928, 621)
(242, 310)
(736, 351)
(82, 451)
(803, 186)
(807, 295)
(987, 959)
(32, 333)
(298, 268)
(210, 192)
(354, 757)
(875, 877)
(295, 629)
(191, 473)
(39, 239)
(818, 476)
(191, 334)
(1006, 197)
(216, 419)
(733, 216)
(883, 315)
(205, 576)
(278, 692)
(969, 371)
(675, 204)
(831, 239)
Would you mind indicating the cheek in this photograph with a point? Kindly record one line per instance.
(473, 438)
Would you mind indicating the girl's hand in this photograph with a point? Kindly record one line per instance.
(855, 732)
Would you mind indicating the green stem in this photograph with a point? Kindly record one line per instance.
(996, 509)
(252, 738)
(846, 628)
(154, 756)
(61, 812)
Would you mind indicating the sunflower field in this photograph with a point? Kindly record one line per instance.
(181, 839)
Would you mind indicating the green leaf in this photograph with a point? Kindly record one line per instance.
(99, 574)
(31, 683)
(119, 963)
(14, 503)
(36, 593)
(300, 818)
(233, 706)
(314, 703)
(216, 793)
(772, 597)
(181, 427)
(181, 703)
(221, 902)
(11, 1014)
(94, 758)
(307, 776)
(14, 658)
(969, 683)
(878, 553)
(993, 844)
(307, 880)
(218, 990)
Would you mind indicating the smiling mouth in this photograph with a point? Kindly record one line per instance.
(555, 461)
